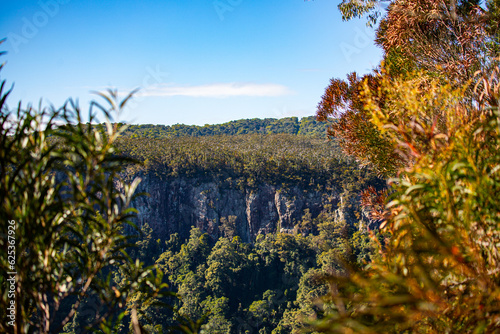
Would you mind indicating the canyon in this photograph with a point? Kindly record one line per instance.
(174, 205)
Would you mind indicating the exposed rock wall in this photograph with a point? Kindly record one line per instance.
(177, 204)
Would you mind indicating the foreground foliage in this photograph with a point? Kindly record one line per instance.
(433, 106)
(440, 268)
(58, 192)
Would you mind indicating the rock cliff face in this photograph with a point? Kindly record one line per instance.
(177, 204)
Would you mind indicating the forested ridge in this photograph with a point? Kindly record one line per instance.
(307, 126)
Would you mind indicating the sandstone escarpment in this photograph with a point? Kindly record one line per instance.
(174, 205)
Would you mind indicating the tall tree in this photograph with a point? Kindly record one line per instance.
(429, 42)
(437, 270)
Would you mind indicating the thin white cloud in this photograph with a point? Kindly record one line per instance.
(216, 90)
(310, 70)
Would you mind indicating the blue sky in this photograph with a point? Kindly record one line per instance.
(195, 61)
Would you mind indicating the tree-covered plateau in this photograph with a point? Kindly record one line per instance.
(307, 126)
(280, 159)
